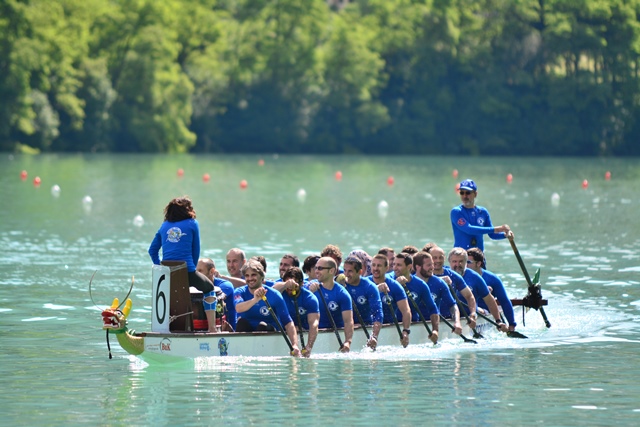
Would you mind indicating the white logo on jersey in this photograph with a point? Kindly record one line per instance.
(174, 234)
(264, 311)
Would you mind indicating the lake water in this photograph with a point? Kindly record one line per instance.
(53, 356)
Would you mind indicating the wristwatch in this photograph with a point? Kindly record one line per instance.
(407, 331)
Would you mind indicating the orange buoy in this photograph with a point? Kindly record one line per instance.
(338, 176)
(261, 162)
(243, 184)
(23, 175)
(585, 184)
(180, 172)
(509, 178)
(607, 176)
(454, 173)
(37, 181)
(390, 181)
(206, 177)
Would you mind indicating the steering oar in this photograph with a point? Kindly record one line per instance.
(533, 289)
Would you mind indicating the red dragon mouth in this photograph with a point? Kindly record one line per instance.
(111, 319)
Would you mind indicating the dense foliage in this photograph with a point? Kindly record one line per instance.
(499, 77)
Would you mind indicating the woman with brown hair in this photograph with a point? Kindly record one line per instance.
(179, 239)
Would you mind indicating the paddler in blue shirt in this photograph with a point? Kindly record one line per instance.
(338, 301)
(418, 291)
(207, 267)
(458, 262)
(475, 262)
(365, 297)
(296, 295)
(470, 222)
(423, 264)
(253, 313)
(455, 282)
(391, 291)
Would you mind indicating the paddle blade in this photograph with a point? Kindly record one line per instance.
(516, 334)
(536, 277)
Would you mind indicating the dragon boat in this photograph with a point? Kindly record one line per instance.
(173, 334)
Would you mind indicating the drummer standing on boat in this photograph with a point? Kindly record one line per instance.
(471, 222)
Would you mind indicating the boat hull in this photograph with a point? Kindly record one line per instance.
(264, 344)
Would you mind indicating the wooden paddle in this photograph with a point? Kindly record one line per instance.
(464, 312)
(275, 318)
(534, 289)
(453, 328)
(295, 304)
(333, 322)
(360, 319)
(510, 334)
(393, 314)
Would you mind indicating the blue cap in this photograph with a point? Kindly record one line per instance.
(468, 184)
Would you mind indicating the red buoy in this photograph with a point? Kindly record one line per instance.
(261, 162)
(180, 172)
(390, 181)
(23, 175)
(338, 176)
(585, 184)
(509, 178)
(243, 184)
(607, 176)
(454, 173)
(206, 177)
(37, 181)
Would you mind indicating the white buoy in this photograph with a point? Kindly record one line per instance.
(138, 221)
(87, 203)
(55, 191)
(555, 199)
(383, 209)
(302, 195)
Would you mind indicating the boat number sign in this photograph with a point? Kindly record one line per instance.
(161, 277)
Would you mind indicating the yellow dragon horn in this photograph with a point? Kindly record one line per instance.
(127, 308)
(115, 303)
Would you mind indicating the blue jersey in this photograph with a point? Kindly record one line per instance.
(418, 290)
(228, 289)
(477, 285)
(367, 299)
(259, 311)
(457, 282)
(307, 303)
(338, 300)
(441, 295)
(470, 225)
(396, 293)
(500, 293)
(179, 241)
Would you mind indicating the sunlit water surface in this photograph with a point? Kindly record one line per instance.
(54, 365)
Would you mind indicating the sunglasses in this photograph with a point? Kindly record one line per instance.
(465, 193)
(319, 267)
